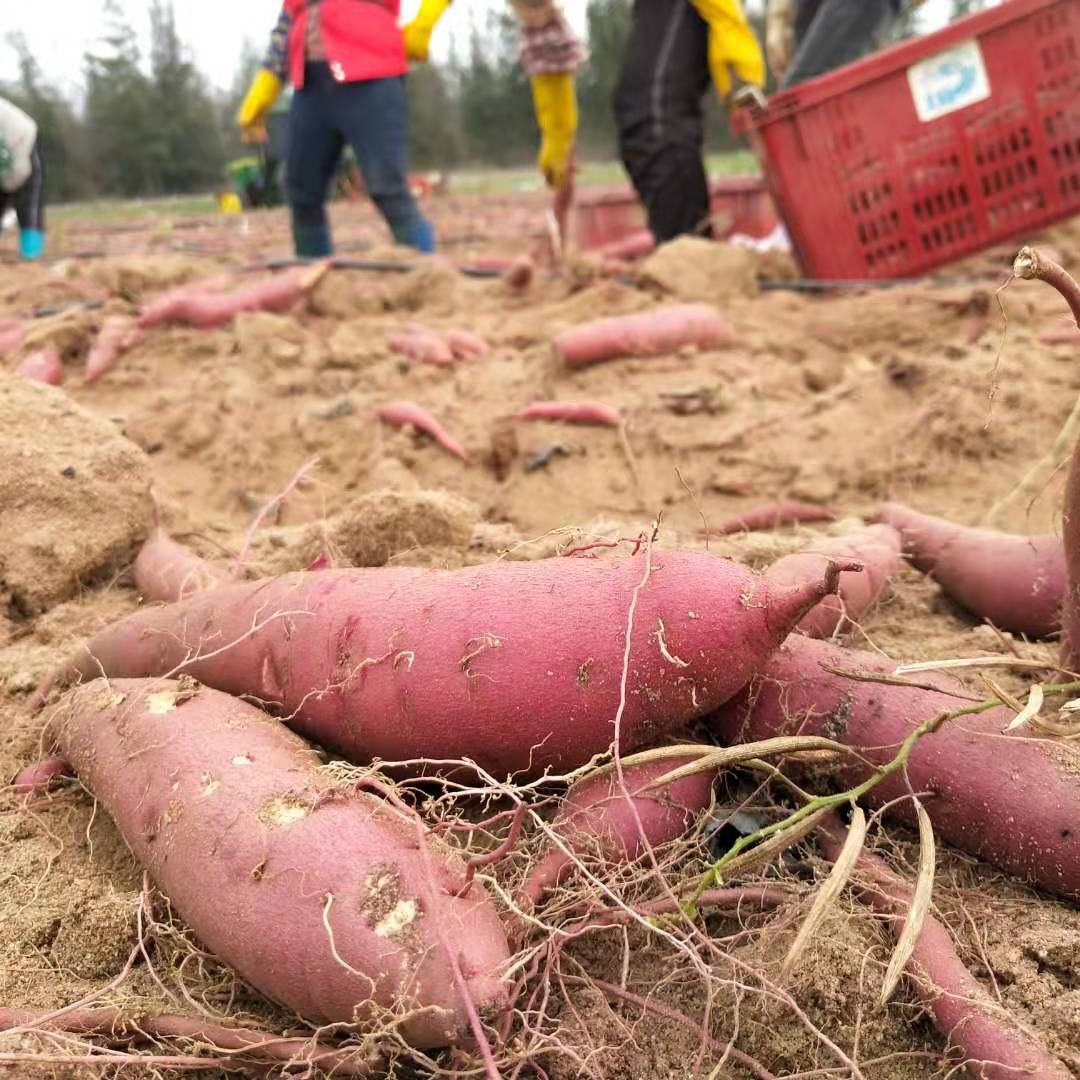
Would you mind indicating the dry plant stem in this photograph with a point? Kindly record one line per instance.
(235, 1044)
(631, 462)
(668, 1013)
(994, 1046)
(300, 476)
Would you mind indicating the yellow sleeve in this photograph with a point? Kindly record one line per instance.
(733, 46)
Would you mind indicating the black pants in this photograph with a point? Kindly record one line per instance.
(29, 200)
(660, 118)
(831, 33)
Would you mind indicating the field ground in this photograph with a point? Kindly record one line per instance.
(923, 393)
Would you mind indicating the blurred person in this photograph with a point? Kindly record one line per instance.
(347, 64)
(806, 38)
(676, 49)
(22, 178)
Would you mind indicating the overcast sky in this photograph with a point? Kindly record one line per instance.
(60, 31)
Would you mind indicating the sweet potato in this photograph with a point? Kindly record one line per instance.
(208, 310)
(648, 333)
(321, 896)
(877, 548)
(636, 245)
(1015, 582)
(166, 571)
(518, 666)
(36, 779)
(573, 412)
(424, 346)
(995, 1046)
(464, 344)
(597, 815)
(170, 305)
(408, 413)
(118, 334)
(42, 365)
(1012, 800)
(772, 516)
(12, 332)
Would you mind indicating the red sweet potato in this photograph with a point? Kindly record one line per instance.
(408, 413)
(171, 305)
(465, 344)
(38, 778)
(42, 365)
(516, 665)
(424, 346)
(772, 516)
(1012, 800)
(12, 332)
(573, 412)
(648, 333)
(321, 896)
(166, 571)
(1015, 582)
(597, 815)
(995, 1046)
(634, 246)
(877, 548)
(118, 334)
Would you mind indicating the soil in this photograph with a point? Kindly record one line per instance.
(939, 395)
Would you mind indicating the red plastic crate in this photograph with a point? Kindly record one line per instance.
(930, 150)
(604, 215)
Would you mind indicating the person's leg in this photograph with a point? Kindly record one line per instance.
(659, 115)
(839, 32)
(374, 116)
(29, 203)
(314, 149)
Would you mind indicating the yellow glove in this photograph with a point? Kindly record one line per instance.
(780, 35)
(732, 44)
(417, 34)
(260, 99)
(555, 100)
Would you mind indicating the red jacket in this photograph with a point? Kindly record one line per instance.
(362, 39)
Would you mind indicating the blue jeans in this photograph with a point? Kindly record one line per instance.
(373, 118)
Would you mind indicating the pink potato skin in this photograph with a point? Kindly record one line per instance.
(517, 666)
(166, 571)
(963, 1011)
(408, 413)
(38, 778)
(118, 334)
(772, 516)
(877, 548)
(648, 333)
(239, 826)
(1013, 800)
(596, 814)
(573, 412)
(465, 344)
(42, 366)
(171, 304)
(1016, 582)
(423, 346)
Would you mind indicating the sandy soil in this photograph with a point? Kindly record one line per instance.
(939, 395)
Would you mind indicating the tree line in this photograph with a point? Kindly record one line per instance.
(151, 124)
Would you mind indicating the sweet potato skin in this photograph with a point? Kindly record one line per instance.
(233, 818)
(648, 333)
(1012, 800)
(597, 815)
(43, 366)
(166, 571)
(572, 412)
(1016, 582)
(515, 665)
(877, 548)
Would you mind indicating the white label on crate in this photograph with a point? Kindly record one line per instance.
(949, 80)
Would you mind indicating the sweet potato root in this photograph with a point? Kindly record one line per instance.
(877, 548)
(772, 516)
(573, 412)
(648, 333)
(518, 666)
(993, 1044)
(424, 346)
(634, 246)
(38, 778)
(1015, 582)
(597, 815)
(166, 571)
(408, 413)
(42, 365)
(118, 334)
(465, 344)
(320, 895)
(1012, 800)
